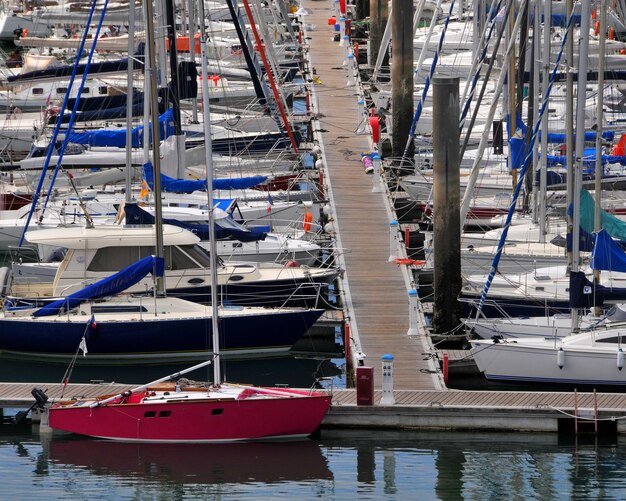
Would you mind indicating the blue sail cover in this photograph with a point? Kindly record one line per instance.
(558, 138)
(108, 286)
(608, 254)
(117, 137)
(614, 226)
(589, 159)
(189, 186)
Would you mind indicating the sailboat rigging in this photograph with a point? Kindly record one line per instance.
(173, 412)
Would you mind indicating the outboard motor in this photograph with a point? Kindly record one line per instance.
(40, 403)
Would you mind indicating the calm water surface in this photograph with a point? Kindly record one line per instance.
(338, 465)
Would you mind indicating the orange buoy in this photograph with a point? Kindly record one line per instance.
(594, 14)
(596, 28)
(611, 33)
(308, 219)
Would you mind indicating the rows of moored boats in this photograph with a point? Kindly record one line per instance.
(521, 305)
(178, 248)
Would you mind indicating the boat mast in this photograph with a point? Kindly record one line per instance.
(543, 169)
(129, 101)
(208, 148)
(598, 179)
(156, 162)
(581, 102)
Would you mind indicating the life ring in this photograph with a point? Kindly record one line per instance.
(306, 224)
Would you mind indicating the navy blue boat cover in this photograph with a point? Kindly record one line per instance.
(108, 286)
(608, 254)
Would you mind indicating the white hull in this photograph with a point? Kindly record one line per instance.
(584, 359)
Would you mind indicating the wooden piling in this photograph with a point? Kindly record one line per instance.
(447, 220)
(379, 13)
(402, 76)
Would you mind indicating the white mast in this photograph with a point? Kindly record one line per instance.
(543, 173)
(208, 148)
(598, 180)
(581, 102)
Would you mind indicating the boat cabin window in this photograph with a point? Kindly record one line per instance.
(37, 91)
(103, 90)
(85, 90)
(113, 259)
(609, 340)
(198, 254)
(61, 90)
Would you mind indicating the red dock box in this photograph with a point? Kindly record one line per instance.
(365, 386)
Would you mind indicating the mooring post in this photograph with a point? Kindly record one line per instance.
(402, 76)
(379, 13)
(447, 195)
(387, 398)
(376, 188)
(346, 43)
(413, 317)
(360, 122)
(393, 240)
(351, 79)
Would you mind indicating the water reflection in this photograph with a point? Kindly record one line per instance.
(456, 466)
(264, 462)
(342, 464)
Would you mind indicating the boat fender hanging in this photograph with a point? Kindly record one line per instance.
(308, 219)
(560, 358)
(375, 126)
(611, 33)
(620, 359)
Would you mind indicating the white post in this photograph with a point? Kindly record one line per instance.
(412, 313)
(387, 398)
(342, 30)
(376, 188)
(336, 8)
(360, 123)
(351, 81)
(346, 44)
(393, 240)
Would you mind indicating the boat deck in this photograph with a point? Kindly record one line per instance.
(376, 296)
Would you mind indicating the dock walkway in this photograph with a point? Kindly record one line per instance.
(376, 295)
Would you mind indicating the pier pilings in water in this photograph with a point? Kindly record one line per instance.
(446, 220)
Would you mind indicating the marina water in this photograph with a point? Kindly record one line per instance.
(338, 465)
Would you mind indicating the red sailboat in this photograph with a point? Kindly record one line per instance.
(163, 411)
(171, 412)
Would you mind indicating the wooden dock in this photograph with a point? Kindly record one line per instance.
(448, 410)
(375, 290)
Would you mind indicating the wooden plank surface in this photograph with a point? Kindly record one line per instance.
(377, 288)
